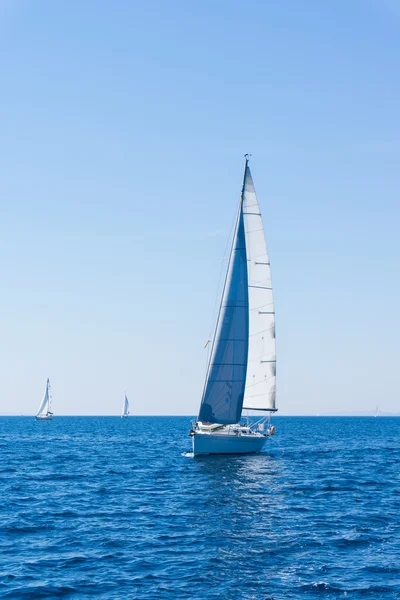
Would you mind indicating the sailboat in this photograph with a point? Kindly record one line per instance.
(44, 412)
(241, 372)
(125, 408)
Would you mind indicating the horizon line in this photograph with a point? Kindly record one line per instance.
(348, 414)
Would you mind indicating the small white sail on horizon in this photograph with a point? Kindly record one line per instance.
(125, 407)
(44, 413)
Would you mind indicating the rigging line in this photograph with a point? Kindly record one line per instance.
(258, 395)
(263, 331)
(265, 305)
(232, 339)
(221, 402)
(258, 258)
(263, 380)
(221, 398)
(229, 365)
(251, 385)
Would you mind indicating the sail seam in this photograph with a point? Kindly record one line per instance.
(263, 331)
(229, 364)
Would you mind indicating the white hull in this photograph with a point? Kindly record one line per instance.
(225, 442)
(43, 417)
(124, 416)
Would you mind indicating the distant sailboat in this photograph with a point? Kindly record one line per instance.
(125, 408)
(44, 412)
(242, 367)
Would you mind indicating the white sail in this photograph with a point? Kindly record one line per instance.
(261, 369)
(125, 407)
(45, 403)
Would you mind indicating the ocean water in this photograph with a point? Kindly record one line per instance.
(114, 508)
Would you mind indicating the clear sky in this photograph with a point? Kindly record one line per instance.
(122, 132)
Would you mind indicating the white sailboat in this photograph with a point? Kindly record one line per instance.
(125, 408)
(242, 368)
(44, 413)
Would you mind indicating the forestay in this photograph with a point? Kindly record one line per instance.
(261, 371)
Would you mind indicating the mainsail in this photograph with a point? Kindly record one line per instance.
(261, 371)
(44, 407)
(242, 366)
(125, 407)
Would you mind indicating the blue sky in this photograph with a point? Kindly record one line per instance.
(122, 132)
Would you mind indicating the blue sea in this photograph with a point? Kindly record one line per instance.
(104, 507)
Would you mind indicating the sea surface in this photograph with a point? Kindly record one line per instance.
(104, 507)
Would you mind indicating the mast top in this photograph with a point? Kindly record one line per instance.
(246, 164)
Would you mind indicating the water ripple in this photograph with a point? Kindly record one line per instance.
(111, 508)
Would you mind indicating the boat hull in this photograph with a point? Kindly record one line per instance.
(204, 443)
(44, 418)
